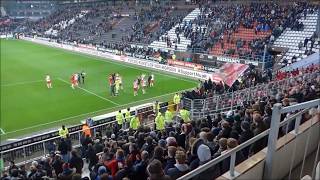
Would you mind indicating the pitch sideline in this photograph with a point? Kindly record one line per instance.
(123, 105)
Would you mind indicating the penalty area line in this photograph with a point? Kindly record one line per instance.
(92, 93)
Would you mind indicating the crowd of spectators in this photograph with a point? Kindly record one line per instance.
(152, 22)
(213, 25)
(250, 78)
(182, 146)
(9, 25)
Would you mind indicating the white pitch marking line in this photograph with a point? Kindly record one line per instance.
(2, 131)
(21, 83)
(91, 93)
(123, 105)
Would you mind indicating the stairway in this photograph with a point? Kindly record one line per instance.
(290, 39)
(184, 42)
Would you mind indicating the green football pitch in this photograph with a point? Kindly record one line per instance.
(28, 106)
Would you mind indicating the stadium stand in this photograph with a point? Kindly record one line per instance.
(299, 43)
(172, 40)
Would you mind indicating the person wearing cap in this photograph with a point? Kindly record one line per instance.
(176, 101)
(135, 122)
(204, 154)
(185, 115)
(159, 121)
(119, 118)
(86, 129)
(168, 116)
(63, 132)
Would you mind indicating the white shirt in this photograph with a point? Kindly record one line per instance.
(48, 78)
(75, 77)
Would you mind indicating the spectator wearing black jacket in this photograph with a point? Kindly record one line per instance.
(259, 127)
(226, 130)
(245, 135)
(171, 158)
(140, 166)
(91, 157)
(57, 164)
(76, 161)
(64, 150)
(180, 168)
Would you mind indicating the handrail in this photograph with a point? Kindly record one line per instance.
(264, 84)
(53, 138)
(223, 156)
(292, 117)
(75, 132)
(233, 151)
(299, 106)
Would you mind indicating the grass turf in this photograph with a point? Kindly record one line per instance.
(27, 106)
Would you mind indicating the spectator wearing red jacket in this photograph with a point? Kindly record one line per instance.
(117, 164)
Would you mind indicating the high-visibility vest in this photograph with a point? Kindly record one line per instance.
(156, 108)
(119, 118)
(86, 130)
(159, 122)
(168, 116)
(127, 116)
(134, 123)
(63, 133)
(176, 99)
(185, 115)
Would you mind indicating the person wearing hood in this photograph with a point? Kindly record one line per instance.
(180, 168)
(204, 154)
(156, 172)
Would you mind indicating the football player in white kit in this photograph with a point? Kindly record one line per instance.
(48, 80)
(144, 84)
(135, 87)
(152, 80)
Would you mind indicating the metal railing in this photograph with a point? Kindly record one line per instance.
(291, 123)
(272, 134)
(33, 151)
(200, 108)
